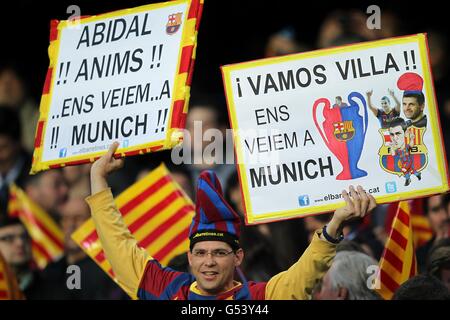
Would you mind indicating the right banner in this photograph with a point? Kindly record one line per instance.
(308, 125)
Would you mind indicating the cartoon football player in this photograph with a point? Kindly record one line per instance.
(398, 131)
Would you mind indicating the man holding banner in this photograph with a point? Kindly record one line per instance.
(215, 253)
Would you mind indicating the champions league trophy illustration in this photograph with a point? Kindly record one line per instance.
(344, 131)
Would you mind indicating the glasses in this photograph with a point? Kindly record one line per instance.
(9, 238)
(219, 253)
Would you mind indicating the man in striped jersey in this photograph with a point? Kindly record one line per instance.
(215, 253)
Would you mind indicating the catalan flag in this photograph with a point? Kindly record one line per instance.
(398, 262)
(157, 212)
(422, 231)
(9, 289)
(47, 240)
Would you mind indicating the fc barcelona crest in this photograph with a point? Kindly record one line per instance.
(173, 23)
(344, 131)
(403, 152)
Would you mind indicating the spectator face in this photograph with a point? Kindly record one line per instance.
(15, 245)
(8, 153)
(398, 136)
(11, 88)
(385, 105)
(184, 182)
(214, 274)
(73, 214)
(205, 117)
(411, 108)
(280, 45)
(50, 191)
(437, 215)
(327, 291)
(445, 277)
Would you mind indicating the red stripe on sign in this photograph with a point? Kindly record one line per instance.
(90, 239)
(403, 217)
(77, 162)
(193, 9)
(153, 211)
(199, 15)
(153, 149)
(54, 30)
(182, 123)
(388, 282)
(133, 153)
(393, 260)
(3, 294)
(100, 257)
(190, 73)
(399, 239)
(164, 226)
(186, 56)
(178, 106)
(38, 139)
(48, 79)
(167, 249)
(133, 203)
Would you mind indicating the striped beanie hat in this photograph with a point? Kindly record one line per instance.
(214, 218)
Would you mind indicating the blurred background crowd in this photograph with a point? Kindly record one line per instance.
(230, 32)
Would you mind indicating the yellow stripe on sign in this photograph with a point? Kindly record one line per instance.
(158, 219)
(148, 204)
(105, 265)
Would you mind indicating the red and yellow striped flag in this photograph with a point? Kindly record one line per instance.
(157, 212)
(398, 262)
(47, 240)
(9, 289)
(422, 231)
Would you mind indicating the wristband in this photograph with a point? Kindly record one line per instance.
(330, 238)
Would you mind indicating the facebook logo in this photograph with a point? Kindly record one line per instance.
(62, 152)
(303, 200)
(391, 187)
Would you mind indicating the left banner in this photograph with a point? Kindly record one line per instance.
(120, 76)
